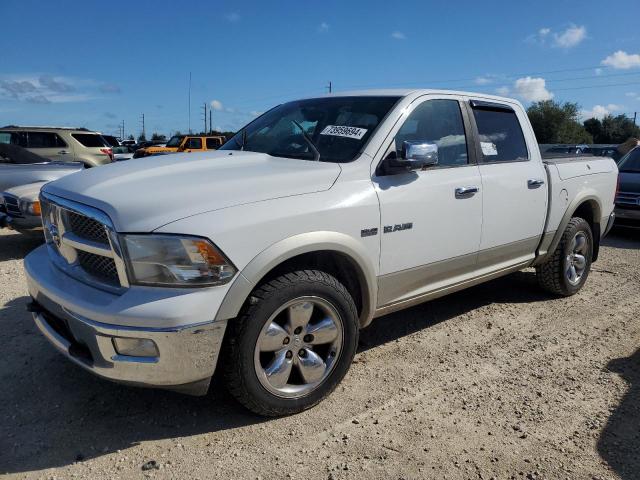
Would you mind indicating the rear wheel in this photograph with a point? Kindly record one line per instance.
(293, 343)
(566, 271)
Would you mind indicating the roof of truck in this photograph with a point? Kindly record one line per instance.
(403, 92)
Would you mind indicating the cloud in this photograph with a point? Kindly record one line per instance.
(17, 88)
(571, 37)
(622, 60)
(398, 36)
(110, 88)
(256, 113)
(504, 91)
(110, 115)
(532, 89)
(598, 71)
(634, 95)
(323, 27)
(599, 111)
(484, 80)
(38, 99)
(53, 85)
(217, 105)
(232, 17)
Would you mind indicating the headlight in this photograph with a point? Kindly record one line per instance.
(173, 260)
(31, 208)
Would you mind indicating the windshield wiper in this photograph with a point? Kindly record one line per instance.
(316, 153)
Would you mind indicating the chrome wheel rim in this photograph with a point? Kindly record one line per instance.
(298, 347)
(576, 260)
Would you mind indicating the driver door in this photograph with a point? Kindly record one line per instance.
(430, 230)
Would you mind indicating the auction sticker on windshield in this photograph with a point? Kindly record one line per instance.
(342, 131)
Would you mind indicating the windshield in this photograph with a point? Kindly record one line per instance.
(631, 163)
(175, 141)
(337, 126)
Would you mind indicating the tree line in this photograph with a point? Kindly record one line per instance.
(555, 122)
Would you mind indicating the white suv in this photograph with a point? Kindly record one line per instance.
(59, 143)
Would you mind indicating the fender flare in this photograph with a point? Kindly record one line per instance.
(296, 245)
(588, 196)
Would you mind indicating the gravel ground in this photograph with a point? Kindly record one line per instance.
(500, 381)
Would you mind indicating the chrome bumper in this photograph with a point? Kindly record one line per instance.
(186, 356)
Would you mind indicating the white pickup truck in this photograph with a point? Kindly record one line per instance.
(269, 255)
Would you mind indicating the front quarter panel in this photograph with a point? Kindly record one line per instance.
(257, 237)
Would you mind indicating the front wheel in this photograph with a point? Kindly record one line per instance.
(293, 343)
(566, 271)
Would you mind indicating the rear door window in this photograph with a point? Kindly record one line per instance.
(14, 138)
(500, 135)
(44, 140)
(90, 140)
(213, 143)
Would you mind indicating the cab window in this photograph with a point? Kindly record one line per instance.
(213, 143)
(193, 143)
(44, 140)
(439, 124)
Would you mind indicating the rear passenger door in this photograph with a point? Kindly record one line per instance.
(514, 201)
(49, 145)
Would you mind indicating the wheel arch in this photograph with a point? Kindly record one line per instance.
(585, 206)
(341, 254)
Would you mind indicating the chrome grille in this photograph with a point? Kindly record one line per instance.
(12, 205)
(81, 244)
(99, 266)
(87, 228)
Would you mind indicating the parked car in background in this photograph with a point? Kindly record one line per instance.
(610, 151)
(22, 174)
(273, 252)
(628, 194)
(123, 152)
(128, 142)
(60, 143)
(20, 209)
(565, 150)
(184, 143)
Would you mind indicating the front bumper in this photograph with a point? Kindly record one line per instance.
(29, 225)
(81, 322)
(627, 216)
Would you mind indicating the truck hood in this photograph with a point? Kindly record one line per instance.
(143, 194)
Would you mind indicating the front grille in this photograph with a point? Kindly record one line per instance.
(87, 228)
(78, 243)
(104, 268)
(12, 206)
(628, 199)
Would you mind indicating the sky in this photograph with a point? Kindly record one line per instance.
(97, 64)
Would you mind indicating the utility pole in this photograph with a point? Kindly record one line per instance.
(189, 102)
(210, 124)
(143, 132)
(635, 114)
(329, 87)
(122, 135)
(204, 106)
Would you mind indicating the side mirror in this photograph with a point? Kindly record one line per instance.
(415, 156)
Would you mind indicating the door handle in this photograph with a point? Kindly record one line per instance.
(465, 192)
(535, 182)
(63, 152)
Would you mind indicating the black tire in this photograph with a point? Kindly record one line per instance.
(243, 333)
(552, 274)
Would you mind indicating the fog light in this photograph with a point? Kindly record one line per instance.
(135, 347)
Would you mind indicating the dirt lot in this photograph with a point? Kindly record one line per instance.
(500, 381)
